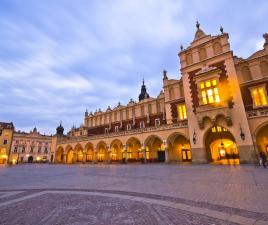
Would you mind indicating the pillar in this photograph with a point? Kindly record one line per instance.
(124, 153)
(144, 152)
(74, 157)
(109, 154)
(84, 157)
(95, 155)
(166, 151)
(64, 158)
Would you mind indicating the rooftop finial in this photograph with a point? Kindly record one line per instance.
(221, 29)
(181, 47)
(197, 24)
(165, 75)
(143, 81)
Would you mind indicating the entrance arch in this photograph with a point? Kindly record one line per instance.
(221, 146)
(89, 152)
(79, 153)
(262, 139)
(69, 155)
(59, 154)
(155, 150)
(116, 150)
(134, 151)
(102, 152)
(179, 149)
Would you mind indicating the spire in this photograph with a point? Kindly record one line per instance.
(197, 25)
(265, 36)
(165, 75)
(143, 95)
(86, 113)
(199, 33)
(60, 129)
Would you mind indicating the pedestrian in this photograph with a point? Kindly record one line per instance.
(263, 159)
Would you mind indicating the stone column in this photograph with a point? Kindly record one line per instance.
(74, 157)
(64, 160)
(166, 151)
(144, 152)
(84, 157)
(109, 154)
(95, 155)
(124, 153)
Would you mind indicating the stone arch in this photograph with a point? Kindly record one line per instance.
(134, 149)
(264, 68)
(69, 154)
(102, 151)
(189, 59)
(90, 153)
(246, 74)
(262, 137)
(155, 149)
(217, 48)
(78, 150)
(179, 149)
(116, 150)
(202, 54)
(59, 155)
(220, 145)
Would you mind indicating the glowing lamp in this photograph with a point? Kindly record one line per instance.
(37, 158)
(27, 155)
(222, 152)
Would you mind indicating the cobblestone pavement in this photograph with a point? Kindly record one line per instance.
(133, 194)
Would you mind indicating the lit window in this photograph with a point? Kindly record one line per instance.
(209, 92)
(182, 112)
(259, 96)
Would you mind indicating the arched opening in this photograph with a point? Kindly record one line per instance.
(202, 54)
(30, 159)
(179, 149)
(217, 48)
(79, 153)
(246, 74)
(116, 151)
(155, 151)
(262, 139)
(102, 152)
(134, 151)
(89, 152)
(264, 68)
(69, 155)
(220, 146)
(59, 155)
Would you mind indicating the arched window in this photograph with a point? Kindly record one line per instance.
(202, 54)
(217, 48)
(264, 68)
(189, 59)
(246, 74)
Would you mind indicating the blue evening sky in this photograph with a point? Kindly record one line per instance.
(59, 57)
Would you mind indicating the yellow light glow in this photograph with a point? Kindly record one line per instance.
(259, 96)
(202, 86)
(38, 158)
(14, 161)
(214, 82)
(4, 156)
(208, 83)
(182, 112)
(222, 152)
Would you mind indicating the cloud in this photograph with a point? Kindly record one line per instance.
(58, 58)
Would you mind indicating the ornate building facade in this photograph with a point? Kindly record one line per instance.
(217, 112)
(30, 147)
(6, 135)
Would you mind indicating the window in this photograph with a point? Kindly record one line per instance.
(171, 94)
(142, 124)
(116, 129)
(15, 149)
(202, 54)
(32, 148)
(39, 149)
(209, 92)
(23, 149)
(158, 107)
(129, 126)
(157, 122)
(259, 96)
(45, 150)
(5, 142)
(189, 58)
(217, 48)
(182, 112)
(106, 130)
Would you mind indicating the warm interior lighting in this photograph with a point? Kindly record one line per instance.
(182, 112)
(259, 96)
(38, 158)
(209, 92)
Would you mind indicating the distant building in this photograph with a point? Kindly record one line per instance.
(30, 147)
(6, 134)
(217, 112)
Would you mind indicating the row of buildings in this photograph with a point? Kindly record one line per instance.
(217, 112)
(21, 147)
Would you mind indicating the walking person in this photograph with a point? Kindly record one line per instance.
(263, 159)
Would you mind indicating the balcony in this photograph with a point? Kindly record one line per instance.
(257, 113)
